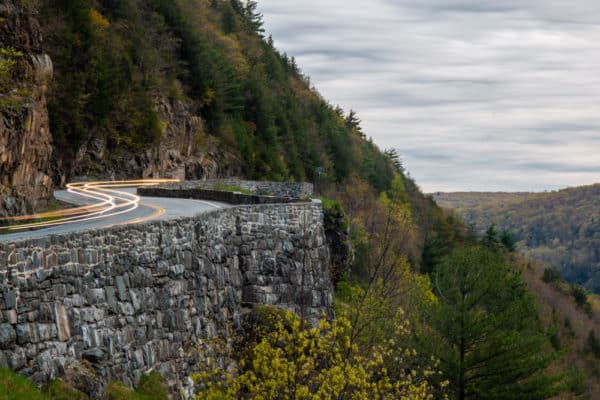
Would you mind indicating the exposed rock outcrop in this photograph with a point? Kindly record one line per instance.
(30, 166)
(25, 140)
(181, 153)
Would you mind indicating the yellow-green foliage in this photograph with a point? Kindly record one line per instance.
(296, 361)
(98, 19)
(152, 387)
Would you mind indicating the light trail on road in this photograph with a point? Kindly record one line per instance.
(110, 202)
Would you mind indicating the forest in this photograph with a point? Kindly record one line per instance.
(560, 228)
(115, 60)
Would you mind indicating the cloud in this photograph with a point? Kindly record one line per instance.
(475, 95)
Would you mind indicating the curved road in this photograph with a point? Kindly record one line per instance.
(102, 207)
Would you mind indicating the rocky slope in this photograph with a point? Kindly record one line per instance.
(32, 163)
(187, 89)
(178, 154)
(25, 141)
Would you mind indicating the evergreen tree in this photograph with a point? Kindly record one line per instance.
(508, 241)
(394, 157)
(490, 343)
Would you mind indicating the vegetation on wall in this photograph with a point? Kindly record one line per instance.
(10, 96)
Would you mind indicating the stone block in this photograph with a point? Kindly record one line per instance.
(96, 296)
(111, 299)
(64, 258)
(121, 288)
(126, 308)
(46, 331)
(62, 322)
(10, 299)
(8, 336)
(10, 316)
(94, 355)
(25, 334)
(16, 359)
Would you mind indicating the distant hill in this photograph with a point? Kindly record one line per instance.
(561, 228)
(466, 200)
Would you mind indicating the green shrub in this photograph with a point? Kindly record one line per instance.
(550, 275)
(60, 390)
(118, 391)
(580, 295)
(152, 387)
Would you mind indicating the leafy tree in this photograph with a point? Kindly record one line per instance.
(559, 228)
(295, 361)
(489, 340)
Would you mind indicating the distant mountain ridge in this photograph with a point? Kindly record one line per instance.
(561, 228)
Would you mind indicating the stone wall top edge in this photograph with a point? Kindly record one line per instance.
(61, 238)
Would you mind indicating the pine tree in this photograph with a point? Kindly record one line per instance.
(490, 343)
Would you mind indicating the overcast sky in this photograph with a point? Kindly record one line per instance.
(475, 94)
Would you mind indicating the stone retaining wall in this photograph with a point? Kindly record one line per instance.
(136, 298)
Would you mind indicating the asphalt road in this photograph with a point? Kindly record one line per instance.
(150, 209)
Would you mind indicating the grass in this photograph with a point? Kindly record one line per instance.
(60, 390)
(224, 188)
(54, 205)
(16, 387)
(151, 387)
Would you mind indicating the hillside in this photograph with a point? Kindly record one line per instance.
(188, 89)
(561, 229)
(570, 325)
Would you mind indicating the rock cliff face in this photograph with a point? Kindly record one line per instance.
(25, 140)
(179, 154)
(30, 164)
